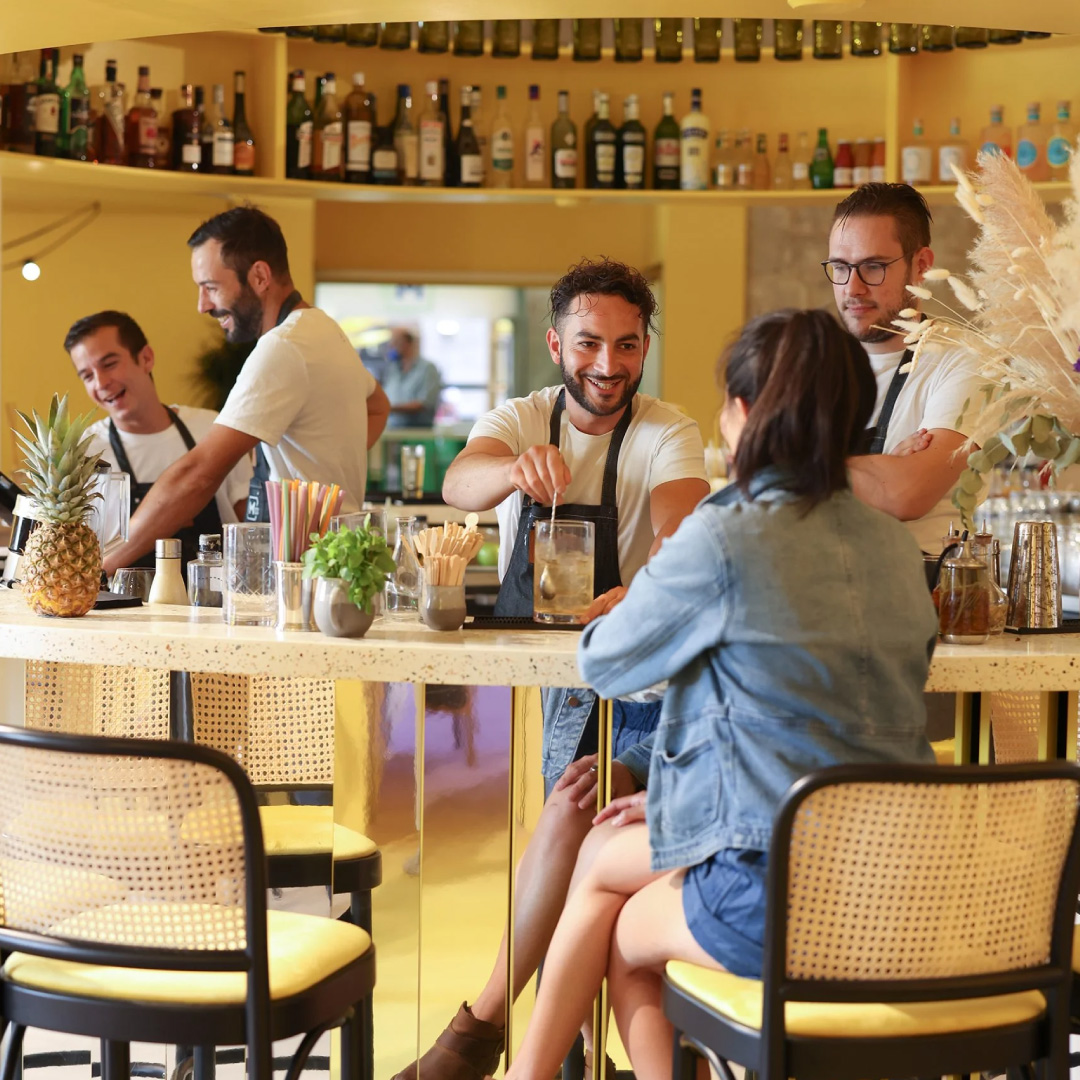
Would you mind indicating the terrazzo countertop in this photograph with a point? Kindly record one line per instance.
(195, 639)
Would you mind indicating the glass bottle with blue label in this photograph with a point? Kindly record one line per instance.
(1062, 143)
(996, 138)
(1031, 140)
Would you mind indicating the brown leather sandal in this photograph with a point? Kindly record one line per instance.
(468, 1049)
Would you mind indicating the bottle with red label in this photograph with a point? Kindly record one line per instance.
(666, 148)
(863, 153)
(877, 161)
(141, 137)
(243, 138)
(844, 165)
(47, 107)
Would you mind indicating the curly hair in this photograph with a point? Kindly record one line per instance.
(603, 277)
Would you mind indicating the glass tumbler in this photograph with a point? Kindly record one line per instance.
(250, 598)
(412, 472)
(563, 553)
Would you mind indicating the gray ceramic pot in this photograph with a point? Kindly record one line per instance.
(335, 614)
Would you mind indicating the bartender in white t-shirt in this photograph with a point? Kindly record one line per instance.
(303, 396)
(878, 245)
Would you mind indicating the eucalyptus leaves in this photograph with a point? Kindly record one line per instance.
(359, 557)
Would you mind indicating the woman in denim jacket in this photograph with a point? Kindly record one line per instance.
(795, 626)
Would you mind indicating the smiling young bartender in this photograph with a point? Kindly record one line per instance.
(302, 396)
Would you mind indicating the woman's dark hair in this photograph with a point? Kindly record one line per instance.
(247, 236)
(810, 392)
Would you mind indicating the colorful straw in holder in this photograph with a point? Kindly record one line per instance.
(299, 508)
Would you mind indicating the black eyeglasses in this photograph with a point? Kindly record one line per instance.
(871, 271)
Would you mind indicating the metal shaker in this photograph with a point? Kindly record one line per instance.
(1034, 577)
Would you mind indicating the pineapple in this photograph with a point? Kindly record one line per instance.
(61, 564)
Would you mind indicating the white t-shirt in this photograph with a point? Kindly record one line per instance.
(933, 396)
(661, 444)
(303, 393)
(150, 455)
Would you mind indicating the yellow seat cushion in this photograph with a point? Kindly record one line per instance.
(740, 1000)
(944, 751)
(303, 950)
(306, 830)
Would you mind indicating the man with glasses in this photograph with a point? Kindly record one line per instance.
(878, 245)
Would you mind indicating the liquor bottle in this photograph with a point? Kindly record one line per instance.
(844, 165)
(545, 39)
(358, 119)
(821, 164)
(502, 143)
(1037, 34)
(186, 132)
(1059, 149)
(801, 160)
(1031, 140)
(362, 35)
(432, 37)
(453, 169)
(762, 173)
(828, 39)
(724, 171)
(1006, 37)
(586, 131)
(141, 136)
(787, 39)
(996, 138)
(744, 161)
(469, 37)
(299, 125)
(330, 32)
(18, 106)
(75, 113)
(470, 157)
(47, 107)
(916, 158)
(707, 40)
(406, 138)
(866, 39)
(217, 136)
(972, 37)
(243, 137)
(506, 38)
(384, 157)
(109, 137)
(586, 39)
(862, 154)
(479, 123)
(747, 39)
(299, 31)
(327, 160)
(601, 148)
(952, 151)
(563, 146)
(628, 40)
(666, 148)
(782, 175)
(937, 38)
(903, 38)
(877, 160)
(695, 138)
(535, 143)
(395, 35)
(163, 142)
(668, 37)
(630, 160)
(432, 163)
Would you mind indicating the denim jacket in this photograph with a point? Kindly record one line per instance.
(792, 642)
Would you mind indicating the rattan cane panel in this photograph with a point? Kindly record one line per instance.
(1014, 719)
(71, 823)
(280, 729)
(97, 699)
(926, 881)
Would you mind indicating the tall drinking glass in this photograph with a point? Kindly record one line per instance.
(249, 596)
(563, 553)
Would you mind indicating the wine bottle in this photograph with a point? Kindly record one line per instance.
(821, 164)
(395, 35)
(788, 39)
(75, 113)
(630, 161)
(506, 38)
(707, 40)
(299, 130)
(470, 158)
(406, 138)
(828, 39)
(469, 38)
(432, 37)
(668, 35)
(359, 120)
(629, 39)
(502, 143)
(362, 35)
(545, 39)
(186, 132)
(904, 38)
(600, 149)
(535, 143)
(384, 157)
(564, 146)
(866, 39)
(432, 165)
(666, 148)
(327, 162)
(141, 136)
(47, 108)
(587, 39)
(243, 137)
(747, 39)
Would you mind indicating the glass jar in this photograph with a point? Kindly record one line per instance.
(986, 547)
(668, 34)
(964, 599)
(629, 38)
(403, 585)
(866, 39)
(787, 39)
(747, 39)
(587, 39)
(707, 40)
(545, 39)
(828, 39)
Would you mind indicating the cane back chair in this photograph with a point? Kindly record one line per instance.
(919, 921)
(133, 906)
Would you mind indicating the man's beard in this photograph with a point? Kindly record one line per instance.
(246, 316)
(878, 331)
(576, 390)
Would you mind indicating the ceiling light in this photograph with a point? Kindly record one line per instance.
(30, 270)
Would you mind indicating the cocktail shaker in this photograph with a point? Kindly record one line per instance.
(1034, 577)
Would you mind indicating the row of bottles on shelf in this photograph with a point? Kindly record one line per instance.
(467, 37)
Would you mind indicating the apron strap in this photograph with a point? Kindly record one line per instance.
(611, 462)
(878, 433)
(122, 462)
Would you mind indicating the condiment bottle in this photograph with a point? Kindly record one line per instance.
(844, 165)
(168, 586)
(862, 154)
(206, 574)
(986, 547)
(877, 161)
(964, 599)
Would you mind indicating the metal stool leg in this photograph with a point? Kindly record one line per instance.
(115, 1060)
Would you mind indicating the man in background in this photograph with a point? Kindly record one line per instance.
(411, 383)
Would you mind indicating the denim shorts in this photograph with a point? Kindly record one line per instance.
(724, 903)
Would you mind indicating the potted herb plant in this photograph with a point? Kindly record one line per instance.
(351, 568)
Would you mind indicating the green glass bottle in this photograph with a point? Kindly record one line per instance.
(666, 138)
(47, 106)
(866, 39)
(545, 39)
(707, 40)
(564, 160)
(668, 36)
(299, 130)
(75, 114)
(747, 39)
(433, 36)
(821, 164)
(629, 36)
(903, 38)
(586, 39)
(506, 38)
(362, 35)
(828, 40)
(937, 38)
(1006, 37)
(395, 35)
(330, 32)
(787, 39)
(299, 31)
(972, 37)
(469, 37)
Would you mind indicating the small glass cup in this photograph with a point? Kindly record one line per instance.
(442, 607)
(562, 570)
(412, 472)
(293, 596)
(132, 581)
(249, 596)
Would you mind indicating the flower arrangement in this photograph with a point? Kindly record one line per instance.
(1018, 314)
